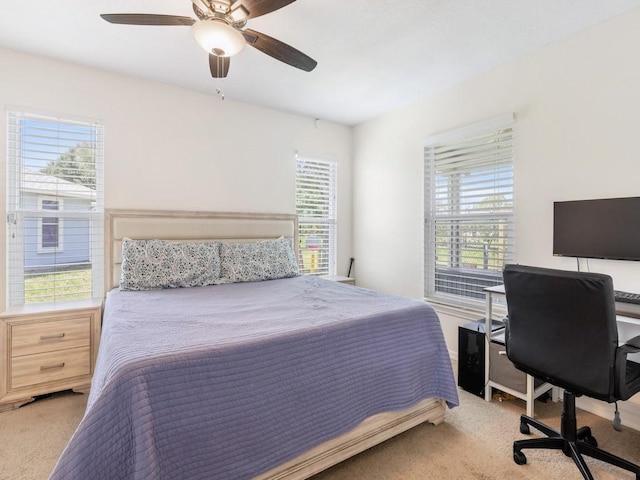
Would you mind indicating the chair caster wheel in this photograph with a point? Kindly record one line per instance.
(584, 432)
(524, 428)
(590, 440)
(519, 458)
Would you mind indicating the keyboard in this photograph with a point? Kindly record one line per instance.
(626, 297)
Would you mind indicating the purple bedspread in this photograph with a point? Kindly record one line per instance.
(228, 381)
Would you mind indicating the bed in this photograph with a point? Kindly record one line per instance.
(273, 379)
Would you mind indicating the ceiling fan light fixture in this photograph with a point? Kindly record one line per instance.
(217, 37)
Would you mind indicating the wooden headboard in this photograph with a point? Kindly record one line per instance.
(187, 226)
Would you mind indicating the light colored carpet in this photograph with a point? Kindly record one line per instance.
(33, 436)
(474, 442)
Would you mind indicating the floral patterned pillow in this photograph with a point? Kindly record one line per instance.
(251, 262)
(154, 264)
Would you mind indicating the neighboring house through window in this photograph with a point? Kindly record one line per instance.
(468, 225)
(316, 202)
(55, 208)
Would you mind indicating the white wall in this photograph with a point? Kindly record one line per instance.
(577, 107)
(170, 148)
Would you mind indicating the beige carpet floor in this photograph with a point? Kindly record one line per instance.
(474, 442)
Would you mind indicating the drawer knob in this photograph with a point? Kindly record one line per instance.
(51, 337)
(51, 367)
(502, 352)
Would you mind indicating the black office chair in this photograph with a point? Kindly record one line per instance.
(562, 329)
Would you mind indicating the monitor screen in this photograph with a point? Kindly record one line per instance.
(605, 228)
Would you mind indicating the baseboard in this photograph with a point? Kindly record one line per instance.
(629, 410)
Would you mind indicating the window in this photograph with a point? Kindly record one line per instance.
(50, 228)
(316, 200)
(55, 209)
(468, 224)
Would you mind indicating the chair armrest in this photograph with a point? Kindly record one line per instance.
(634, 342)
(631, 346)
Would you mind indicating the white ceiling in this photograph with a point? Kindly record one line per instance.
(373, 55)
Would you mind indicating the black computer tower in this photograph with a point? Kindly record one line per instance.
(471, 355)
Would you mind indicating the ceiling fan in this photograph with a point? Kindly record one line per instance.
(220, 31)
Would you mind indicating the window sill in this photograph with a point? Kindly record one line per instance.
(464, 310)
(456, 309)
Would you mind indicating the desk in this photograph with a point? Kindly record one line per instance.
(531, 392)
(630, 310)
(628, 319)
(628, 327)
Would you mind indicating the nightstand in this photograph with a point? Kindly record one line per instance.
(47, 348)
(340, 279)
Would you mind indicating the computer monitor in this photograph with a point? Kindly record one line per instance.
(602, 228)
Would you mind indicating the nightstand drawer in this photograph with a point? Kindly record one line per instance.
(49, 336)
(47, 367)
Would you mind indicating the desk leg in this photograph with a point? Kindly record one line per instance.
(488, 390)
(530, 395)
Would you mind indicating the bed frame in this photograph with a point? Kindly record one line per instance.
(251, 227)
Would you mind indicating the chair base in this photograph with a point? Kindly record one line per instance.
(572, 441)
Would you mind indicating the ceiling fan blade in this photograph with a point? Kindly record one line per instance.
(279, 50)
(219, 66)
(257, 8)
(146, 19)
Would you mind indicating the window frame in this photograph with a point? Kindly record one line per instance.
(34, 139)
(328, 220)
(442, 284)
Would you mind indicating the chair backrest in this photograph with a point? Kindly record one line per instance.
(562, 328)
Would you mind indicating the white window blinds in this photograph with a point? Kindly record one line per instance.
(316, 202)
(469, 232)
(54, 209)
